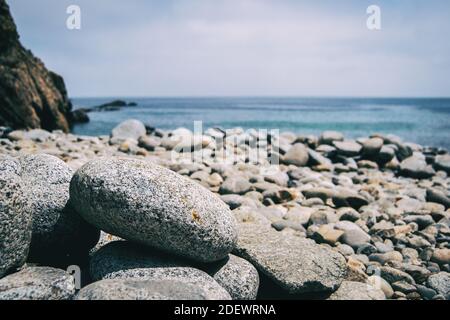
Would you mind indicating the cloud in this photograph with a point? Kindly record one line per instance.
(245, 47)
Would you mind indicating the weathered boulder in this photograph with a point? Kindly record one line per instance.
(296, 264)
(141, 289)
(238, 276)
(145, 203)
(38, 283)
(15, 223)
(124, 260)
(115, 258)
(440, 282)
(350, 290)
(57, 229)
(36, 190)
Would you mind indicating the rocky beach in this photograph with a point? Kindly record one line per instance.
(229, 214)
(143, 208)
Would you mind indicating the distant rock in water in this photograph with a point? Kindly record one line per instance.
(30, 95)
(81, 115)
(115, 103)
(111, 106)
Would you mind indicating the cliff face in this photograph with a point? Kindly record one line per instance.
(30, 95)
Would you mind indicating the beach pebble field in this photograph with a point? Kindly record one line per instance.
(227, 214)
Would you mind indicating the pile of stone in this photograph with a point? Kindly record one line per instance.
(168, 215)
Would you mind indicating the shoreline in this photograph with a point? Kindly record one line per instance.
(416, 121)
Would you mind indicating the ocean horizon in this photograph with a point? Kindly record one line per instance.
(425, 121)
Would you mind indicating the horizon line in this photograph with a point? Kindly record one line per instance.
(253, 96)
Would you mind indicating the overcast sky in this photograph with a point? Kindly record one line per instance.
(242, 47)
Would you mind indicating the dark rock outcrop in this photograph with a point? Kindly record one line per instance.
(79, 116)
(111, 106)
(30, 95)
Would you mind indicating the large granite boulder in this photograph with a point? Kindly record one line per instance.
(142, 202)
(15, 223)
(297, 265)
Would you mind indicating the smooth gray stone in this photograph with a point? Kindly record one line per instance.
(123, 260)
(386, 154)
(353, 235)
(57, 229)
(442, 162)
(392, 275)
(438, 197)
(425, 292)
(235, 201)
(146, 203)
(141, 289)
(315, 158)
(184, 275)
(297, 155)
(371, 147)
(149, 143)
(350, 290)
(235, 185)
(347, 148)
(238, 276)
(383, 285)
(296, 264)
(38, 283)
(129, 129)
(404, 287)
(119, 256)
(15, 222)
(440, 282)
(383, 258)
(415, 167)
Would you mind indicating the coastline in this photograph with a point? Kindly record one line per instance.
(423, 121)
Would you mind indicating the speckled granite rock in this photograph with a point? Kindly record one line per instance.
(441, 283)
(238, 276)
(146, 203)
(37, 283)
(298, 265)
(120, 256)
(129, 129)
(15, 223)
(184, 275)
(105, 238)
(134, 289)
(123, 260)
(57, 228)
(350, 290)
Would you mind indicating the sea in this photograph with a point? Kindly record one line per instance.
(420, 120)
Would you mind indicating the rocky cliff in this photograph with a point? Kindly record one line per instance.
(30, 95)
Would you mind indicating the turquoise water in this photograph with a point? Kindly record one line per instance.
(424, 121)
